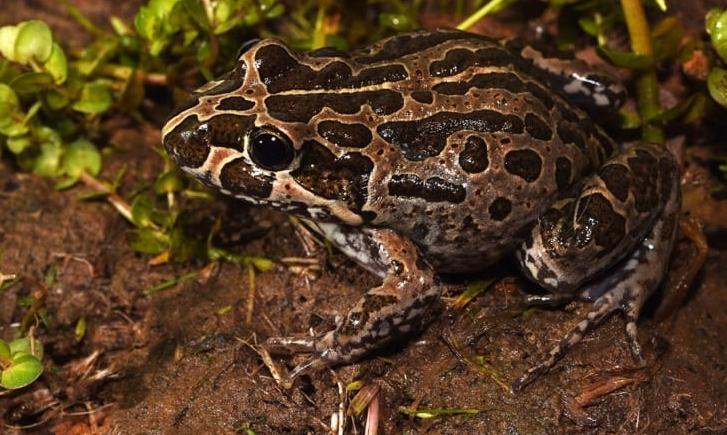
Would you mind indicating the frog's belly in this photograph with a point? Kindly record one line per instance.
(469, 256)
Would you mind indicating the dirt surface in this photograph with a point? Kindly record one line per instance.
(174, 362)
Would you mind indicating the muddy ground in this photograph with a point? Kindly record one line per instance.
(173, 362)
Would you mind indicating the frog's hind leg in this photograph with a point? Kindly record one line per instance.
(624, 286)
(395, 308)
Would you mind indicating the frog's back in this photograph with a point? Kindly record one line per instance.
(478, 149)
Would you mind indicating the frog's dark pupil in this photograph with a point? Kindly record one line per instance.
(271, 151)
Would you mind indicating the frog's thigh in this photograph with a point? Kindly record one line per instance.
(624, 286)
(394, 308)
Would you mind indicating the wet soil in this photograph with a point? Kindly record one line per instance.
(183, 360)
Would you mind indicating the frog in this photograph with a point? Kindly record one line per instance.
(439, 152)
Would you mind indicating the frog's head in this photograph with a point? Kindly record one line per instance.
(255, 135)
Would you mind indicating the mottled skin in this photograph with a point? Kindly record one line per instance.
(437, 152)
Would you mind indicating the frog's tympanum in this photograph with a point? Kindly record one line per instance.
(439, 152)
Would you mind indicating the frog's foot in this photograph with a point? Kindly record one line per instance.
(395, 308)
(625, 288)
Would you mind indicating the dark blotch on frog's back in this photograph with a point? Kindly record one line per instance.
(616, 179)
(432, 189)
(424, 97)
(301, 108)
(236, 176)
(500, 208)
(459, 59)
(427, 137)
(345, 135)
(473, 158)
(569, 132)
(537, 127)
(281, 72)
(344, 178)
(498, 80)
(235, 103)
(526, 164)
(563, 172)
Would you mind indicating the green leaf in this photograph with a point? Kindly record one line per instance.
(18, 144)
(436, 412)
(627, 59)
(80, 330)
(23, 345)
(716, 24)
(56, 100)
(141, 211)
(24, 370)
(195, 9)
(57, 65)
(49, 160)
(9, 104)
(34, 42)
(588, 24)
(8, 35)
(81, 156)
(4, 349)
(262, 264)
(667, 36)
(149, 241)
(31, 82)
(168, 182)
(95, 98)
(717, 85)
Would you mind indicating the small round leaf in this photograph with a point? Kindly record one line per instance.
(168, 182)
(81, 156)
(717, 84)
(57, 65)
(8, 103)
(31, 82)
(24, 370)
(95, 98)
(21, 345)
(34, 42)
(18, 144)
(8, 35)
(49, 160)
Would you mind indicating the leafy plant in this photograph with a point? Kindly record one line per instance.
(20, 362)
(716, 23)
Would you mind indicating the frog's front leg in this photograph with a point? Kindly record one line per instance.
(581, 239)
(395, 308)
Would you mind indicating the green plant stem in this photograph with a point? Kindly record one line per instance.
(647, 84)
(124, 72)
(491, 6)
(112, 197)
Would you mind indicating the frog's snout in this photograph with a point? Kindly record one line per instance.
(188, 143)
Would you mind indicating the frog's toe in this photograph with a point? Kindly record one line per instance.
(605, 305)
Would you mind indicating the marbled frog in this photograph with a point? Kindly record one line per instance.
(439, 152)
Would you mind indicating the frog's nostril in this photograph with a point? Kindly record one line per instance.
(187, 144)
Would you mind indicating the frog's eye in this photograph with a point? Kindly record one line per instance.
(271, 150)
